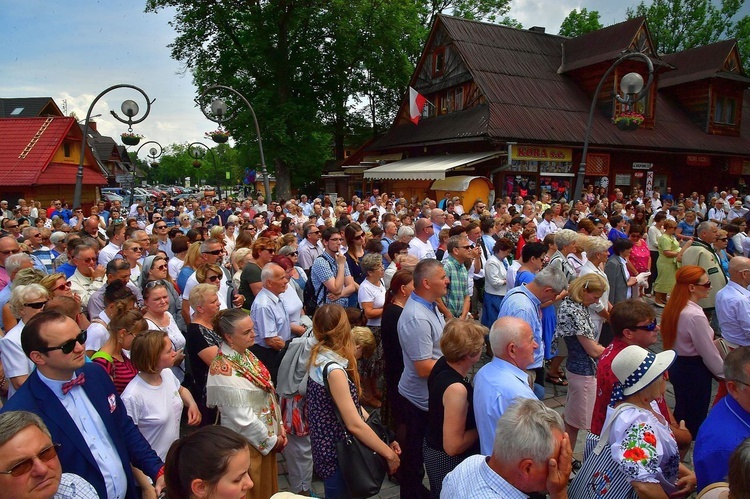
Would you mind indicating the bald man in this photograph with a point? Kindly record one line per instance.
(420, 245)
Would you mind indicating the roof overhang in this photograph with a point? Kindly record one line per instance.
(427, 167)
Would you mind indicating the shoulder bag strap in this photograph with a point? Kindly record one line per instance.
(335, 407)
(604, 436)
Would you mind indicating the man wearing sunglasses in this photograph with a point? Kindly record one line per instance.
(310, 248)
(29, 466)
(633, 323)
(80, 406)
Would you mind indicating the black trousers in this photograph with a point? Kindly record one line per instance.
(691, 380)
(411, 471)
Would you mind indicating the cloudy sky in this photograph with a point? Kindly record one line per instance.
(72, 54)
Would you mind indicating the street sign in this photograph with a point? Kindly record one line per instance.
(123, 177)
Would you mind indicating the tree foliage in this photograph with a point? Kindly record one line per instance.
(316, 72)
(579, 23)
(678, 25)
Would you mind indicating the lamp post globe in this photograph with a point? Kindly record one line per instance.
(129, 108)
(219, 108)
(631, 83)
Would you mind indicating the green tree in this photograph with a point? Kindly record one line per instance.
(579, 23)
(677, 25)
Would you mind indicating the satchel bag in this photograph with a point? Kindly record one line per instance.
(363, 469)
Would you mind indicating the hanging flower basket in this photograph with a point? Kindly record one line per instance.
(628, 121)
(196, 164)
(218, 136)
(155, 164)
(131, 139)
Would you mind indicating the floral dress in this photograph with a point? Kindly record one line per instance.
(640, 448)
(325, 429)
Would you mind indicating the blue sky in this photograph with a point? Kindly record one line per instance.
(71, 51)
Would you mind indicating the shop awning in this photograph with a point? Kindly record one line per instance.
(459, 183)
(427, 167)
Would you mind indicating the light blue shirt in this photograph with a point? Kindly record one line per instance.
(270, 317)
(420, 328)
(474, 479)
(496, 385)
(520, 302)
(733, 313)
(95, 433)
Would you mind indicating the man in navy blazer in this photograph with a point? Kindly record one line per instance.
(81, 408)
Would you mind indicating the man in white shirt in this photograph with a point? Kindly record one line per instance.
(116, 235)
(737, 211)
(420, 245)
(733, 303)
(547, 226)
(717, 214)
(310, 248)
(88, 276)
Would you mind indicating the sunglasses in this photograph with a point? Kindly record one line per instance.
(270, 250)
(8, 252)
(293, 253)
(46, 454)
(214, 252)
(213, 278)
(649, 327)
(706, 285)
(63, 286)
(36, 305)
(137, 250)
(160, 227)
(360, 236)
(69, 345)
(153, 284)
(161, 267)
(468, 246)
(11, 226)
(721, 239)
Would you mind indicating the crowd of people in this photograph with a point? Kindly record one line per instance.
(260, 329)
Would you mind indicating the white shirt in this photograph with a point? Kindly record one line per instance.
(108, 253)
(370, 293)
(97, 334)
(421, 250)
(15, 362)
(155, 410)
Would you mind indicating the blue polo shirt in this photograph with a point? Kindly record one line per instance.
(726, 426)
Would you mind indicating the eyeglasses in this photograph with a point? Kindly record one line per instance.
(649, 327)
(137, 250)
(738, 381)
(214, 252)
(36, 305)
(721, 239)
(8, 252)
(63, 286)
(213, 278)
(69, 345)
(11, 226)
(87, 260)
(46, 454)
(706, 285)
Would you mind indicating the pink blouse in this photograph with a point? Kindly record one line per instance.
(696, 338)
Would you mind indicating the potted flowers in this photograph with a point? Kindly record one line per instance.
(130, 138)
(219, 136)
(196, 164)
(628, 121)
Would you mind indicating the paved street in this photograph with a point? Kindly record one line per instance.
(553, 398)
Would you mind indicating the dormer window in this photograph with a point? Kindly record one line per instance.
(438, 61)
(724, 110)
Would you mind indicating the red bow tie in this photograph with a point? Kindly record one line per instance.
(77, 381)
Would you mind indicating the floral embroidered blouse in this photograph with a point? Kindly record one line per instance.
(240, 386)
(644, 447)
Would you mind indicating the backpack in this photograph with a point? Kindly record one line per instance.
(310, 296)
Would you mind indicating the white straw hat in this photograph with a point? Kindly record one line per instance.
(636, 367)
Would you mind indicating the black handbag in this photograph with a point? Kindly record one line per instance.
(363, 469)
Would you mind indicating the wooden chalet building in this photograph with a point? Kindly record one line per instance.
(39, 159)
(512, 105)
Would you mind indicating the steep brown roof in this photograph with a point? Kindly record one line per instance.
(700, 63)
(528, 100)
(602, 45)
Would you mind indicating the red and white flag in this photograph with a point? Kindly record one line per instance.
(416, 104)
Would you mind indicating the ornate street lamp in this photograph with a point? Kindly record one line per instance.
(197, 151)
(153, 154)
(218, 114)
(129, 108)
(631, 85)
